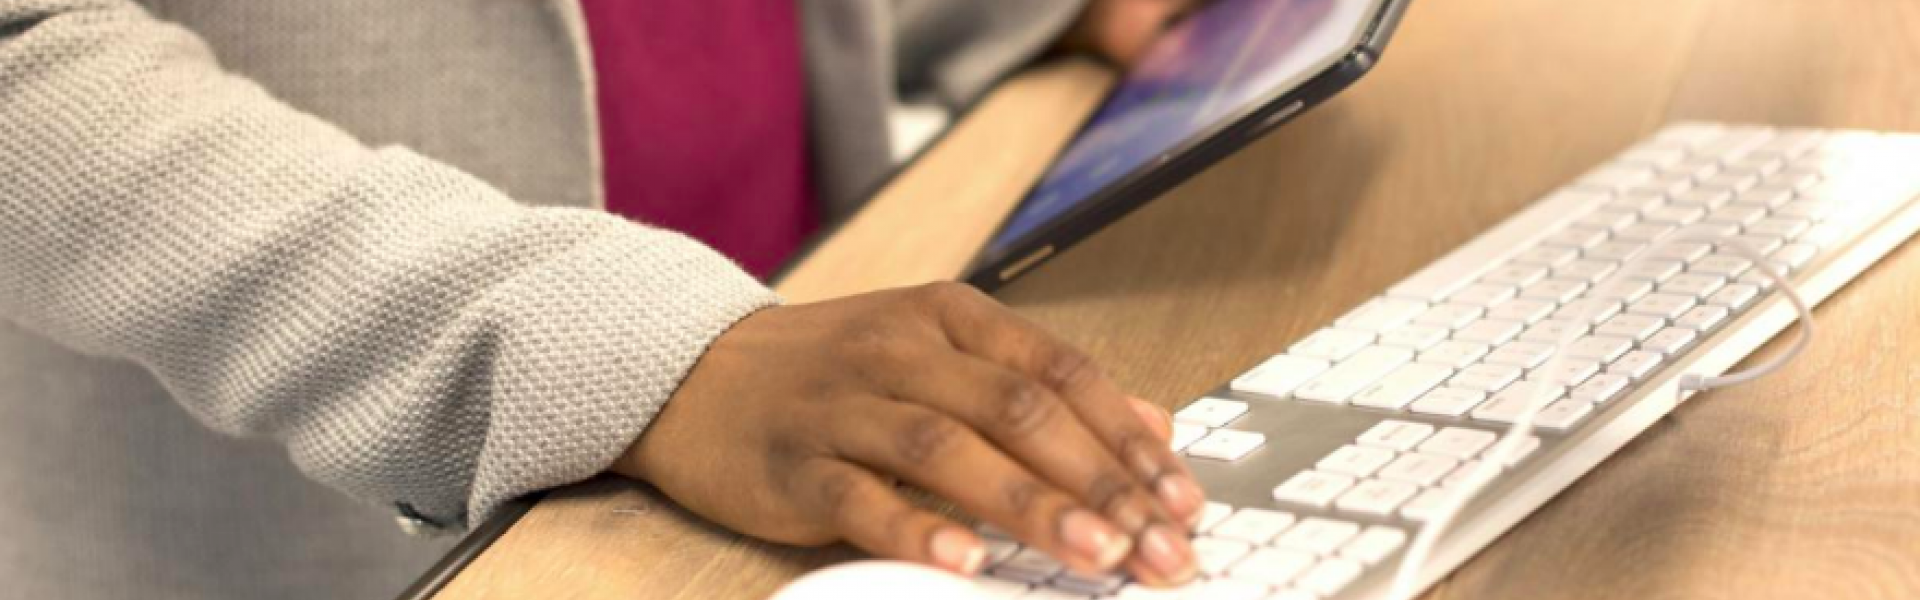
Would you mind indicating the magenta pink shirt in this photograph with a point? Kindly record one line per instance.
(703, 121)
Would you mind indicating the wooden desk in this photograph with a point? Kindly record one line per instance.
(1804, 485)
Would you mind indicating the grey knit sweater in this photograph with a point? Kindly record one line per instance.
(414, 336)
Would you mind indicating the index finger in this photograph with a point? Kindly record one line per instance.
(977, 325)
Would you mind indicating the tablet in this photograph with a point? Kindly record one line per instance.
(1213, 82)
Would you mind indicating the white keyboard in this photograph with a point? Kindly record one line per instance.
(1408, 391)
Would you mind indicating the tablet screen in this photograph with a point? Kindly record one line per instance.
(1204, 72)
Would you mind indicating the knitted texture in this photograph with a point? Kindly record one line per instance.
(409, 333)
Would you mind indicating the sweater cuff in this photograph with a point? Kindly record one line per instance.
(598, 340)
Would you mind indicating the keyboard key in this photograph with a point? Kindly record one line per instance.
(1280, 375)
(1687, 251)
(1601, 388)
(1637, 364)
(1185, 434)
(1458, 442)
(1418, 469)
(1468, 471)
(1552, 331)
(1722, 265)
(1226, 444)
(1525, 355)
(1678, 214)
(1563, 414)
(1522, 310)
(1402, 386)
(1547, 256)
(1029, 565)
(1332, 343)
(1427, 505)
(1811, 210)
(1702, 318)
(1485, 377)
(1617, 250)
(1670, 341)
(1488, 331)
(1631, 326)
(1330, 576)
(1506, 406)
(1382, 314)
(1604, 220)
(1270, 567)
(1394, 434)
(1454, 354)
(1089, 585)
(1448, 402)
(1759, 244)
(1312, 488)
(1792, 257)
(1214, 554)
(1768, 195)
(1373, 545)
(1253, 525)
(1567, 372)
(1415, 337)
(1655, 271)
(1599, 347)
(1526, 448)
(1317, 535)
(1211, 514)
(1376, 497)
(1483, 294)
(1663, 304)
(1354, 374)
(1737, 214)
(1734, 297)
(1555, 290)
(1733, 181)
(1697, 285)
(1590, 270)
(1211, 412)
(1450, 316)
(1704, 198)
(1358, 461)
(1576, 238)
(1781, 227)
(1646, 232)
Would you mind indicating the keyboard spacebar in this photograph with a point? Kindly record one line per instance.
(1491, 249)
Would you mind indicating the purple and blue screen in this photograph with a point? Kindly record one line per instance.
(1216, 65)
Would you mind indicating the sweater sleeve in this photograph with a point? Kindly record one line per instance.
(411, 335)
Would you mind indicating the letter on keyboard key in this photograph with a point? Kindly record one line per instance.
(1226, 444)
(1312, 488)
(1211, 412)
(1317, 535)
(1253, 525)
(1402, 386)
(1280, 375)
(1355, 374)
(1394, 434)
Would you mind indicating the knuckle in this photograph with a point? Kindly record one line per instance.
(1019, 495)
(1109, 487)
(927, 438)
(836, 489)
(1022, 407)
(870, 337)
(1064, 367)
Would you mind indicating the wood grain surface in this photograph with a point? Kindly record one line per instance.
(1803, 485)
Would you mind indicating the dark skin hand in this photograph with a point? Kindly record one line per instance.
(796, 423)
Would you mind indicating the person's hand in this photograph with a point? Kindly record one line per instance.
(1121, 30)
(795, 424)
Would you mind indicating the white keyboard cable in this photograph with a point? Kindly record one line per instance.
(1505, 450)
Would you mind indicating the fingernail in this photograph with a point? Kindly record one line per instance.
(1180, 494)
(1130, 517)
(958, 551)
(1167, 551)
(1094, 539)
